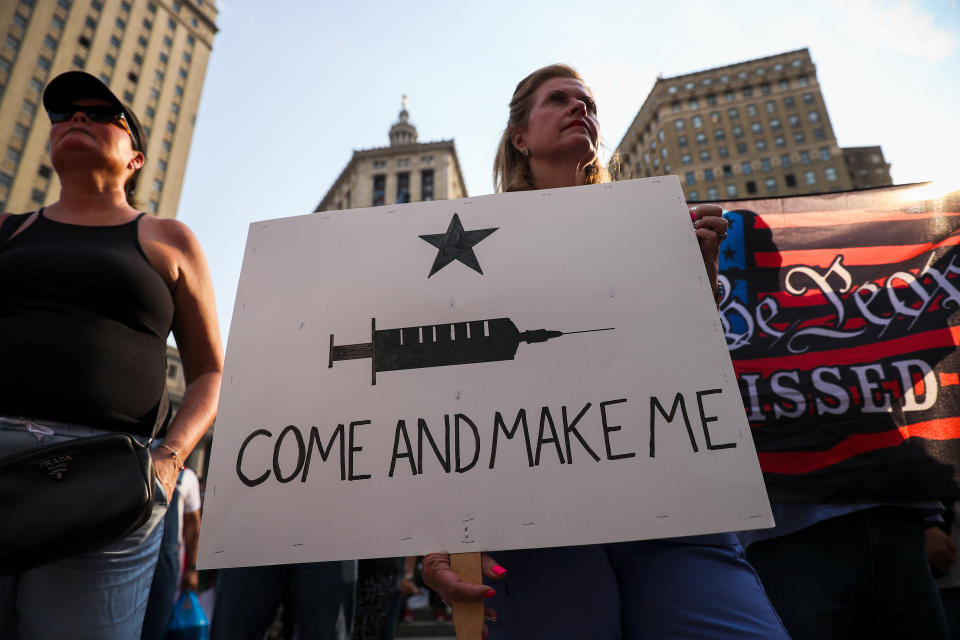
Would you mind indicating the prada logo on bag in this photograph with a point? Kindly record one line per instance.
(55, 467)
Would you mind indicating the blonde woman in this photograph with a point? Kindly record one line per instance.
(683, 588)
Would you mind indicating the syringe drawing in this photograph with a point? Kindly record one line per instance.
(442, 345)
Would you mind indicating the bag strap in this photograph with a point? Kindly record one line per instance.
(11, 224)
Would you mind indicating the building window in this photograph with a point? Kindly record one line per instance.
(747, 168)
(765, 87)
(147, 24)
(741, 148)
(799, 138)
(818, 134)
(694, 196)
(802, 81)
(708, 175)
(813, 116)
(712, 193)
(789, 102)
(770, 184)
(727, 171)
(403, 187)
(164, 58)
(756, 127)
(57, 22)
(784, 84)
(13, 154)
(731, 189)
(137, 59)
(830, 173)
(761, 145)
(152, 206)
(723, 152)
(774, 123)
(20, 131)
(28, 107)
(712, 99)
(150, 112)
(43, 63)
(167, 41)
(804, 157)
(719, 134)
(751, 109)
(166, 145)
(679, 124)
(790, 179)
(37, 196)
(715, 117)
(426, 185)
(690, 177)
(765, 164)
(171, 126)
(183, 74)
(704, 156)
(110, 61)
(682, 141)
(747, 92)
(701, 138)
(671, 89)
(133, 77)
(688, 85)
(686, 159)
(808, 98)
(728, 96)
(810, 177)
(78, 62)
(379, 189)
(403, 162)
(770, 106)
(178, 90)
(737, 131)
(121, 24)
(674, 107)
(693, 104)
(734, 113)
(157, 185)
(785, 161)
(5, 179)
(824, 153)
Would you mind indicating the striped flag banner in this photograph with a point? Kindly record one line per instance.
(842, 316)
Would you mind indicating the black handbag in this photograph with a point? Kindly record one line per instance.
(75, 496)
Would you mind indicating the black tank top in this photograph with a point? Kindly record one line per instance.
(84, 321)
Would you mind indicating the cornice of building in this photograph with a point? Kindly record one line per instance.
(388, 151)
(743, 63)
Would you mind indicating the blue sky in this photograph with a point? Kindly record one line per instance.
(293, 87)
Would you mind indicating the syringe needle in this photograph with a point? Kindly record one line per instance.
(589, 330)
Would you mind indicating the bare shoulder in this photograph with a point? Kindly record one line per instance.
(172, 233)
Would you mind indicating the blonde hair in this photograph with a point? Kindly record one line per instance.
(511, 169)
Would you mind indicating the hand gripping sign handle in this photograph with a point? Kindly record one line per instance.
(467, 616)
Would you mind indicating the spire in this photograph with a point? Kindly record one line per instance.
(402, 131)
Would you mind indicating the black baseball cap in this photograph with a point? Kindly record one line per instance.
(63, 91)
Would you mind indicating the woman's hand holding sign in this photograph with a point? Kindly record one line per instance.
(440, 576)
(711, 230)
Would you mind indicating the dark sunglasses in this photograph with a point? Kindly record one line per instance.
(101, 114)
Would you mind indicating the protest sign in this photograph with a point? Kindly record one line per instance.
(529, 369)
(843, 320)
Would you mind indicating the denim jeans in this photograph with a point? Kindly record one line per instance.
(101, 594)
(320, 593)
(654, 590)
(860, 575)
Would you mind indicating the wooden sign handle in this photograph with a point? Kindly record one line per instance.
(467, 616)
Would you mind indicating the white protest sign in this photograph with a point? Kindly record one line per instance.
(520, 370)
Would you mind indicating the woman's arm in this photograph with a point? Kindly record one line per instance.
(197, 333)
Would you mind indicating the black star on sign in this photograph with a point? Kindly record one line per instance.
(729, 253)
(456, 244)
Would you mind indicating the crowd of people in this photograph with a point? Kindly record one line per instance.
(91, 289)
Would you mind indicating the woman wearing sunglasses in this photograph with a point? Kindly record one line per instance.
(91, 290)
(697, 587)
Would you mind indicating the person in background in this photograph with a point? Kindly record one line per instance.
(941, 542)
(320, 594)
(91, 290)
(178, 556)
(697, 587)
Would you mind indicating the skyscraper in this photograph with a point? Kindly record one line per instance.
(151, 53)
(405, 171)
(752, 129)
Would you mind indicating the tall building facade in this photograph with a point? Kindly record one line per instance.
(867, 167)
(151, 53)
(752, 129)
(405, 171)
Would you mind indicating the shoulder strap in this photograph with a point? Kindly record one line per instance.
(11, 224)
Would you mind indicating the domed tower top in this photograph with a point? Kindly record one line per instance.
(402, 132)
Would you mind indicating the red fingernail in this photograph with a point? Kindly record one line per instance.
(490, 594)
(498, 570)
(693, 216)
